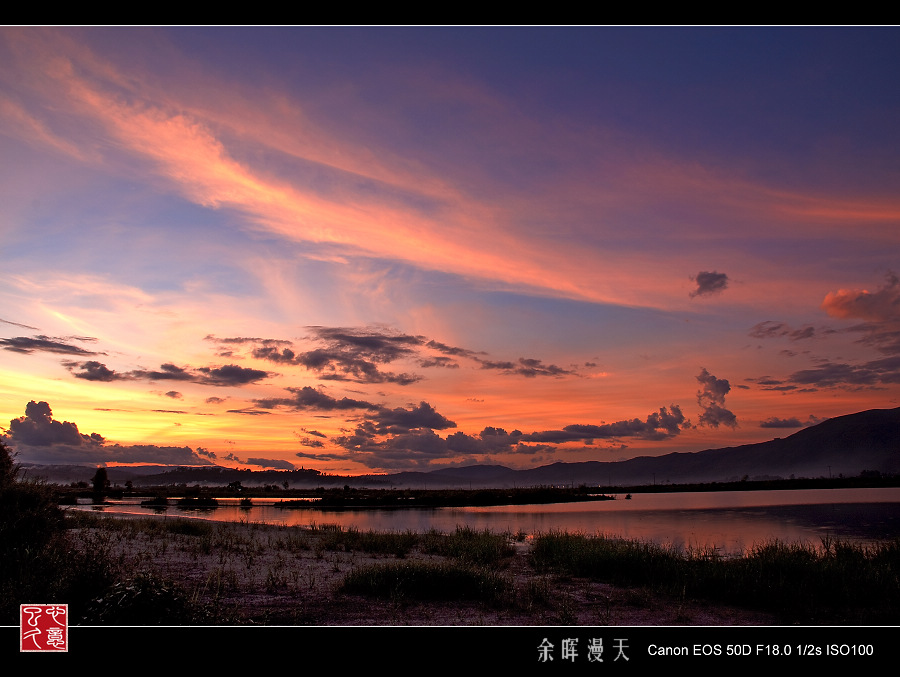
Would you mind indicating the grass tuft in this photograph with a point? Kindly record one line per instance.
(479, 548)
(428, 581)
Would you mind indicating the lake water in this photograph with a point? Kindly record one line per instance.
(727, 520)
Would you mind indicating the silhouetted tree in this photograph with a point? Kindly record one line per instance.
(7, 466)
(100, 481)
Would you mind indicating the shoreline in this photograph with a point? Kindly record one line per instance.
(256, 574)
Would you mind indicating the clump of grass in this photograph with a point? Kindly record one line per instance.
(428, 581)
(537, 591)
(394, 543)
(613, 559)
(189, 527)
(325, 527)
(479, 548)
(841, 580)
(388, 542)
(292, 539)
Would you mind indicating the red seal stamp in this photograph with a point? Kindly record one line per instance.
(44, 627)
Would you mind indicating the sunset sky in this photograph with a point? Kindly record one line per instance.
(380, 249)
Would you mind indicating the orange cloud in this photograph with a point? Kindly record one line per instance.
(882, 305)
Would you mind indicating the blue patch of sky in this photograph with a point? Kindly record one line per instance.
(500, 321)
(830, 257)
(778, 101)
(332, 183)
(713, 90)
(139, 239)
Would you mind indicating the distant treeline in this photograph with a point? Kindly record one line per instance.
(866, 480)
(419, 498)
(224, 476)
(247, 483)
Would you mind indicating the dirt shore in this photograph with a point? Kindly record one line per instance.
(269, 575)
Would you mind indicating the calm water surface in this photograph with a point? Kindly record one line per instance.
(730, 521)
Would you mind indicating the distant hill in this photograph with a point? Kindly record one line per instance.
(847, 445)
(844, 445)
(65, 474)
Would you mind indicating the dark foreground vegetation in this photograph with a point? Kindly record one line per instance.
(145, 571)
(174, 571)
(837, 582)
(40, 560)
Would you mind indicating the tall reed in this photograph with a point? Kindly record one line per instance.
(840, 580)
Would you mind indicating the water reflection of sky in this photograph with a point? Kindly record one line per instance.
(729, 521)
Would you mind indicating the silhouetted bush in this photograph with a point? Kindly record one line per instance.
(39, 563)
(144, 599)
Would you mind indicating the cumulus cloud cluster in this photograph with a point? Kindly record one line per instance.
(38, 438)
(880, 330)
(402, 437)
(309, 398)
(382, 436)
(657, 426)
(37, 428)
(711, 398)
(792, 422)
(879, 310)
(377, 434)
(882, 305)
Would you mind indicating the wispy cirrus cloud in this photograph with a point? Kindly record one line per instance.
(16, 324)
(48, 344)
